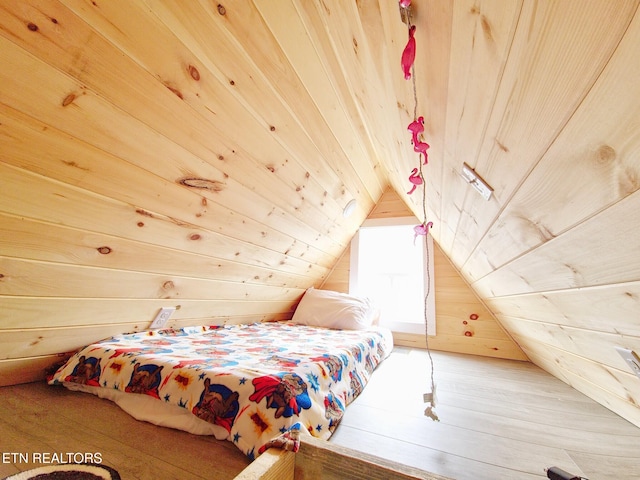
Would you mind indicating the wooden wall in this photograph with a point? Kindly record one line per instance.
(463, 322)
(162, 154)
(199, 154)
(555, 253)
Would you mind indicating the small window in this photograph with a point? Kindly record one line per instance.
(389, 265)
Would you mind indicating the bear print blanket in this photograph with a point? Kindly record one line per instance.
(258, 384)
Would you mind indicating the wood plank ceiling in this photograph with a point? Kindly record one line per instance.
(199, 154)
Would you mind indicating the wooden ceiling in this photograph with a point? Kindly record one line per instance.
(200, 154)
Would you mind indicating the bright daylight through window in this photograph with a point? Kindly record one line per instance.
(388, 265)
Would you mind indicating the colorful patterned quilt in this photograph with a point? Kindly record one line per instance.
(261, 383)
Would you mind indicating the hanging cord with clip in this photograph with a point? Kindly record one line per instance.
(430, 397)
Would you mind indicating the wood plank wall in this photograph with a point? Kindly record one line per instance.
(463, 323)
(556, 256)
(542, 98)
(161, 154)
(199, 154)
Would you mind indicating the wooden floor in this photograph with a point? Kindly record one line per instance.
(39, 418)
(499, 420)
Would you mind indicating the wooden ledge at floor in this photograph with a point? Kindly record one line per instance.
(320, 460)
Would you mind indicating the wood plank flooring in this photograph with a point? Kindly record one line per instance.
(38, 418)
(500, 419)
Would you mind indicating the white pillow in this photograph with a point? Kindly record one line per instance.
(325, 308)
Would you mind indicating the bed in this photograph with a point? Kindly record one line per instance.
(257, 385)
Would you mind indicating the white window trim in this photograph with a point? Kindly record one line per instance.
(404, 327)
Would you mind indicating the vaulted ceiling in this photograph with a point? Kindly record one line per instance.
(199, 154)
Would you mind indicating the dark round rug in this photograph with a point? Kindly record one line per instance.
(68, 471)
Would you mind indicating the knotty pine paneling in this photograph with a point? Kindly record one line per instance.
(463, 323)
(583, 308)
(479, 49)
(156, 65)
(25, 313)
(588, 168)
(143, 165)
(28, 277)
(47, 242)
(559, 265)
(549, 71)
(200, 156)
(213, 191)
(550, 120)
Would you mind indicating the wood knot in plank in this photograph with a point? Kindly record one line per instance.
(72, 163)
(32, 26)
(68, 100)
(175, 91)
(140, 211)
(486, 28)
(202, 183)
(605, 155)
(628, 181)
(502, 146)
(195, 74)
(221, 9)
(104, 250)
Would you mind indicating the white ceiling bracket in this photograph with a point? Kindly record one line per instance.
(476, 181)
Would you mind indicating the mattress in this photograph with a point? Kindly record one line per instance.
(257, 385)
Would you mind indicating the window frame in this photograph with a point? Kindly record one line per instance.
(354, 260)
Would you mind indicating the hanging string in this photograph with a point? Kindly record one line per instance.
(422, 229)
(428, 397)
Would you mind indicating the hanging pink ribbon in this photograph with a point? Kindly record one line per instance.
(405, 3)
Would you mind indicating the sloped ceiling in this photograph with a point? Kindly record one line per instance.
(199, 154)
